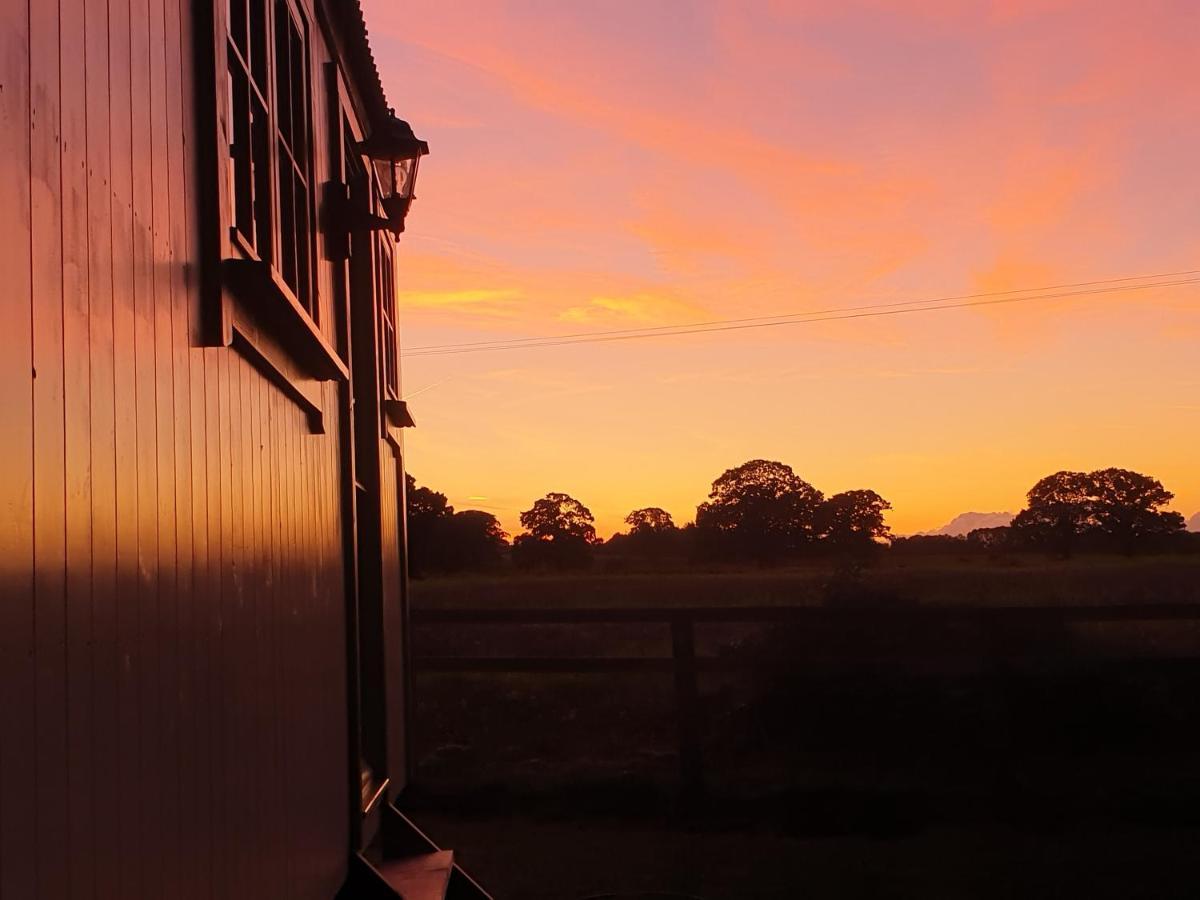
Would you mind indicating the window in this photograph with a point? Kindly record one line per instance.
(249, 165)
(270, 132)
(386, 291)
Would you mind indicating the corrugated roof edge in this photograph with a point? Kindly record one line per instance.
(361, 60)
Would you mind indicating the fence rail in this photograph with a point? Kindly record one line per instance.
(1142, 612)
(1000, 624)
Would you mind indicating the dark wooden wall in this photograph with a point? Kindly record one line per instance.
(172, 648)
(391, 482)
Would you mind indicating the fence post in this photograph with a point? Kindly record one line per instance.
(687, 703)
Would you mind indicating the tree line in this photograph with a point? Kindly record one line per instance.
(763, 513)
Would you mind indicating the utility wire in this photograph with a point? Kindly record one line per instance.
(812, 312)
(1114, 285)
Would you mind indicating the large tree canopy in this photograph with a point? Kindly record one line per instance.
(425, 509)
(651, 520)
(1058, 511)
(853, 518)
(652, 538)
(1128, 505)
(422, 503)
(558, 517)
(470, 541)
(442, 540)
(761, 509)
(558, 533)
(1122, 505)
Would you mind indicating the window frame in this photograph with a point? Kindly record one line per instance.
(263, 240)
(255, 311)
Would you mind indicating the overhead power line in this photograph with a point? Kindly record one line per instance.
(873, 310)
(811, 312)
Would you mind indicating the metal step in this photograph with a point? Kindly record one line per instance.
(403, 839)
(404, 864)
(425, 876)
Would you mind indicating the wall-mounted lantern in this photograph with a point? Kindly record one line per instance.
(396, 152)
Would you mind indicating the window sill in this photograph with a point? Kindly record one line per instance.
(242, 245)
(280, 314)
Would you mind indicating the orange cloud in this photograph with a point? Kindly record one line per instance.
(476, 302)
(639, 308)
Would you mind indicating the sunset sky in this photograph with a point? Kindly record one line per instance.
(621, 164)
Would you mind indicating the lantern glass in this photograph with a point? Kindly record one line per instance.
(385, 171)
(405, 177)
(397, 177)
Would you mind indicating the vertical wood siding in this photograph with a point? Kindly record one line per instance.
(18, 674)
(172, 649)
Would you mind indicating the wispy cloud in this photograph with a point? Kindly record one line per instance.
(637, 308)
(483, 302)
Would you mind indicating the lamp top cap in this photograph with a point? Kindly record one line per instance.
(393, 139)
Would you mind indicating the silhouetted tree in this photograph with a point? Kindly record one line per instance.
(853, 519)
(929, 545)
(469, 541)
(559, 534)
(1127, 507)
(650, 520)
(760, 510)
(441, 540)
(1115, 505)
(652, 538)
(1059, 511)
(994, 539)
(424, 502)
(425, 508)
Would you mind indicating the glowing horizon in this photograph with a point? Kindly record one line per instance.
(657, 163)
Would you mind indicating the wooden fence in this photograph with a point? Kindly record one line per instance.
(1000, 627)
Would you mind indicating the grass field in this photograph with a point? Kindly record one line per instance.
(1033, 580)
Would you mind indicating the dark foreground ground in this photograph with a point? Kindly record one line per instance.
(1069, 772)
(524, 858)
